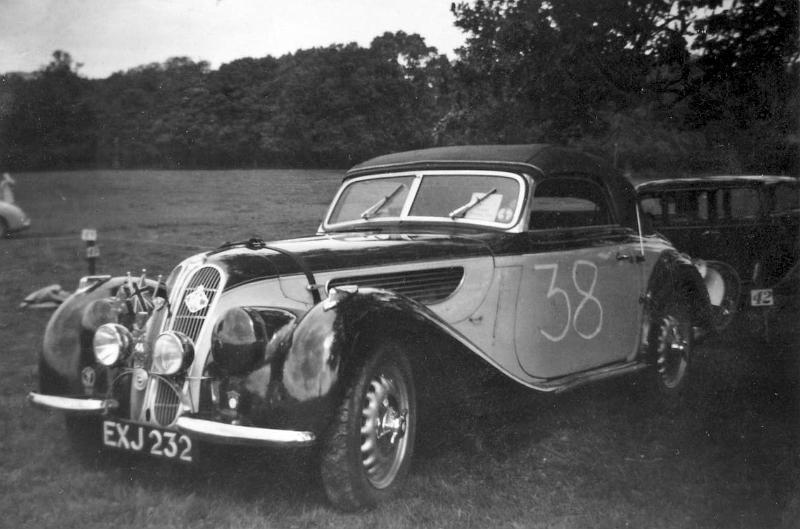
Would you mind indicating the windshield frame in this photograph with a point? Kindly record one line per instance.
(406, 219)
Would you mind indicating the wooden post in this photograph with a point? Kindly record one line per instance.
(89, 236)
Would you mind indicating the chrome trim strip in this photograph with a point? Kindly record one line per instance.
(77, 405)
(223, 433)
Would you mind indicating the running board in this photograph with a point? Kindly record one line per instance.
(559, 385)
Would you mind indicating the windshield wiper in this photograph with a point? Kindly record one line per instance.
(461, 211)
(373, 209)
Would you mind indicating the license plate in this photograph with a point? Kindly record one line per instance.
(761, 297)
(146, 439)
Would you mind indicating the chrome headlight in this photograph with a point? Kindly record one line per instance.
(111, 343)
(172, 352)
(239, 340)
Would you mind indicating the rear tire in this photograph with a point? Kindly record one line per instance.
(367, 451)
(672, 346)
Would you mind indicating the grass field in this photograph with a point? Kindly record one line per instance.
(599, 457)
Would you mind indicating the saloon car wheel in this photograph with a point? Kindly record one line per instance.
(368, 448)
(672, 348)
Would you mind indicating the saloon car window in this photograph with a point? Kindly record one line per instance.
(741, 203)
(689, 207)
(568, 203)
(786, 198)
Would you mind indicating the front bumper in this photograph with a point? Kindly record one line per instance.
(73, 405)
(202, 429)
(232, 434)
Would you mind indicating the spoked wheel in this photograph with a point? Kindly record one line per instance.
(368, 449)
(672, 347)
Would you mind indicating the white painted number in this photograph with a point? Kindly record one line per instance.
(586, 296)
(555, 291)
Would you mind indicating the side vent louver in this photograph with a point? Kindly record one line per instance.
(425, 286)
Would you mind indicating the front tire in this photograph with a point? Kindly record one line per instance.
(367, 451)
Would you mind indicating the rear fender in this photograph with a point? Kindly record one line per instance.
(675, 277)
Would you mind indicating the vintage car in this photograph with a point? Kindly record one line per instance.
(12, 219)
(527, 260)
(751, 223)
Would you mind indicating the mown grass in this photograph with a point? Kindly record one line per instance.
(604, 456)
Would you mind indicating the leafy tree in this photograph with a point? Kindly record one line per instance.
(748, 98)
(535, 69)
(51, 122)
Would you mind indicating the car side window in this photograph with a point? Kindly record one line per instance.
(566, 202)
(742, 203)
(786, 198)
(689, 207)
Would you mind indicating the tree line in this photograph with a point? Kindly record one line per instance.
(654, 85)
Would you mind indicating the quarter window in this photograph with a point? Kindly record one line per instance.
(568, 203)
(744, 203)
(787, 198)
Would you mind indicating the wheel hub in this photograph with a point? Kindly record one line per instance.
(672, 352)
(383, 431)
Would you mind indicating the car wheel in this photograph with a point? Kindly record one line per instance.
(367, 450)
(672, 346)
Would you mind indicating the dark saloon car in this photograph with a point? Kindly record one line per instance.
(527, 260)
(750, 222)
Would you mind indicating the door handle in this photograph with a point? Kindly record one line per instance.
(711, 233)
(632, 258)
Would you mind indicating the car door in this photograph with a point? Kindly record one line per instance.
(579, 303)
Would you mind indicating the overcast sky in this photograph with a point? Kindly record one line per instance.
(114, 35)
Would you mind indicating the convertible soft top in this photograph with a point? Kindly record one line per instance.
(547, 159)
(539, 160)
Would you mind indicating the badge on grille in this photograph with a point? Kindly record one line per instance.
(196, 300)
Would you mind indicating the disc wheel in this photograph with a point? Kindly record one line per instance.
(672, 348)
(368, 449)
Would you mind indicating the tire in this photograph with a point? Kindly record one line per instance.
(367, 450)
(672, 346)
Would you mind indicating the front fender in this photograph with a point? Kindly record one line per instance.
(315, 358)
(67, 343)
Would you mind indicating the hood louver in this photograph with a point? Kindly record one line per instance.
(424, 286)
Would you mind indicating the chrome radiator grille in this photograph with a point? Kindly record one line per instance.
(187, 321)
(166, 404)
(425, 286)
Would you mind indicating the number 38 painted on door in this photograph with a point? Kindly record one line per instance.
(586, 296)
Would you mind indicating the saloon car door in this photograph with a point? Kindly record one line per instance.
(579, 305)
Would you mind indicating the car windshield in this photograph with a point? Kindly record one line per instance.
(489, 199)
